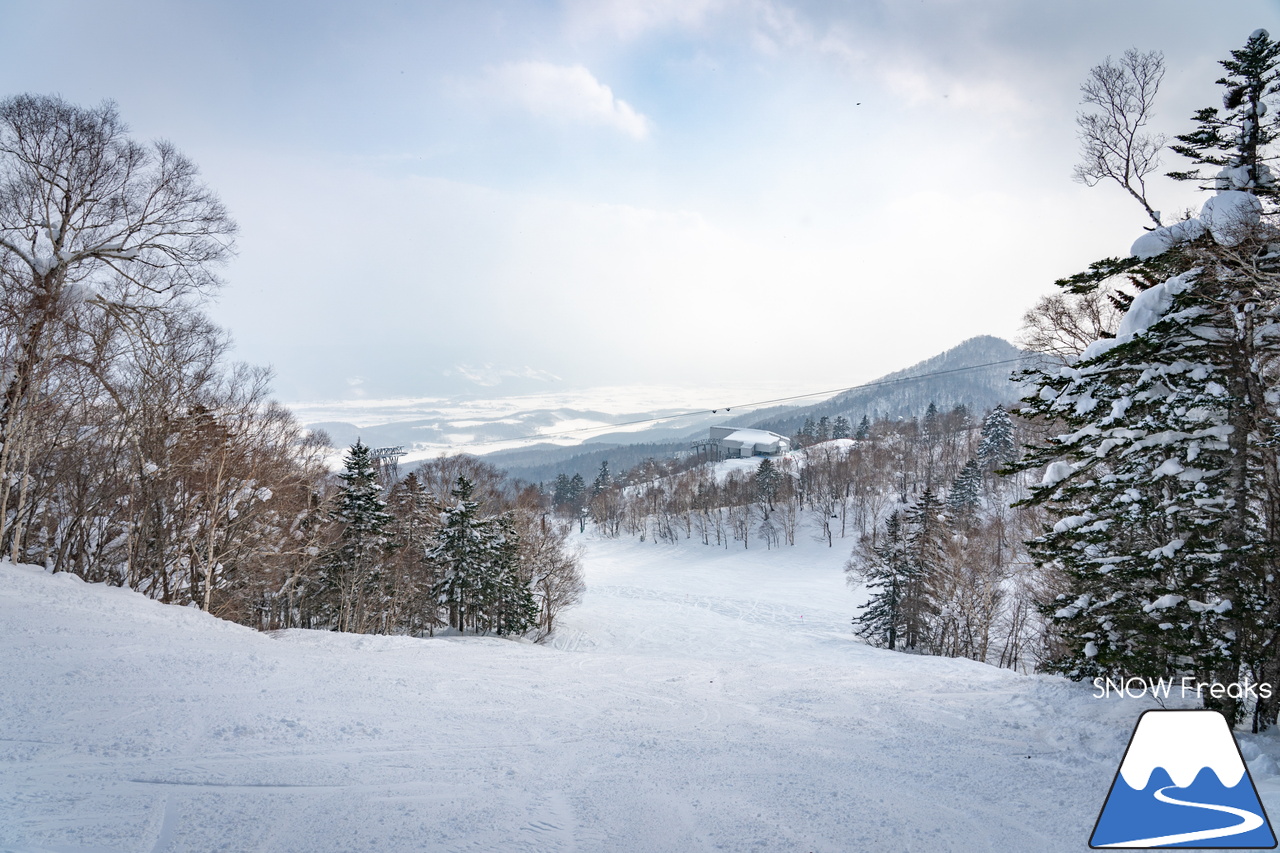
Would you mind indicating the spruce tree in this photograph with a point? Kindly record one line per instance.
(1138, 484)
(461, 553)
(966, 490)
(603, 479)
(996, 445)
(1237, 143)
(931, 425)
(901, 572)
(808, 432)
(560, 495)
(864, 429)
(1160, 480)
(480, 581)
(351, 573)
(511, 607)
(926, 531)
(578, 500)
(768, 478)
(408, 587)
(841, 428)
(887, 576)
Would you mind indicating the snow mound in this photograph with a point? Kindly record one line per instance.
(1229, 216)
(1164, 238)
(1148, 308)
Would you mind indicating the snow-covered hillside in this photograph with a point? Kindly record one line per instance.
(700, 699)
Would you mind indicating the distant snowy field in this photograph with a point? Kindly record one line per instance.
(432, 426)
(606, 400)
(701, 698)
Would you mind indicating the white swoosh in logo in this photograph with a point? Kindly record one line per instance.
(1249, 821)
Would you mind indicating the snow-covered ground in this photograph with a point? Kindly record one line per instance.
(701, 698)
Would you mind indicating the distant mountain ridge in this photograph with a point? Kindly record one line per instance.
(978, 373)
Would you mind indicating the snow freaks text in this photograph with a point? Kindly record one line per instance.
(1185, 688)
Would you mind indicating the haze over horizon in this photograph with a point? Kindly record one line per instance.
(508, 198)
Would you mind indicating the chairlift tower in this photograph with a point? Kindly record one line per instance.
(381, 454)
(387, 462)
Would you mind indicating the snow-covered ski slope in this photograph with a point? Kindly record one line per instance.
(701, 698)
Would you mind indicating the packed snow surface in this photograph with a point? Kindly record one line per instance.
(700, 699)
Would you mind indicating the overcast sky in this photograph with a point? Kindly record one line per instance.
(493, 197)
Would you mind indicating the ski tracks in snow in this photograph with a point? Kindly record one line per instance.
(755, 611)
(695, 701)
(651, 621)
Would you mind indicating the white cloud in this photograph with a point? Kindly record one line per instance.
(568, 93)
(487, 375)
(768, 25)
(919, 83)
(630, 19)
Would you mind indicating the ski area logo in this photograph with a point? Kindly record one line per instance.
(1183, 783)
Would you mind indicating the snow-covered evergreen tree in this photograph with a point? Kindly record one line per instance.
(1236, 144)
(603, 479)
(841, 428)
(996, 445)
(931, 426)
(887, 575)
(480, 581)
(578, 500)
(926, 532)
(351, 573)
(410, 607)
(461, 553)
(899, 570)
(560, 491)
(768, 478)
(966, 490)
(1139, 485)
(1162, 479)
(864, 428)
(808, 433)
(509, 604)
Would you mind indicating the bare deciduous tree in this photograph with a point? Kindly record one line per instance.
(1061, 324)
(551, 566)
(1113, 139)
(88, 214)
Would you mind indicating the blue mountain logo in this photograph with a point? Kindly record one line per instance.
(1183, 783)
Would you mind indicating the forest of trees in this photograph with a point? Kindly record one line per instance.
(133, 452)
(450, 545)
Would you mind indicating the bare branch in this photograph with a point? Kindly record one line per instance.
(83, 204)
(1113, 142)
(1061, 325)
